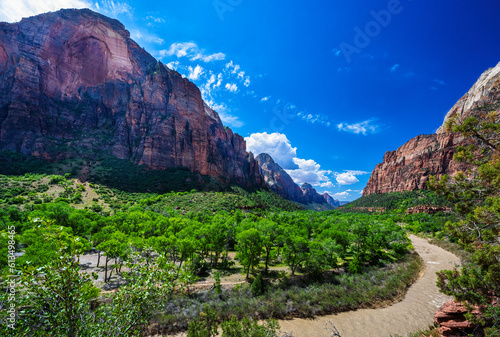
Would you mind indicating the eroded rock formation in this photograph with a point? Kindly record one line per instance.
(73, 84)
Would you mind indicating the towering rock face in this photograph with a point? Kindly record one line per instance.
(278, 180)
(282, 184)
(409, 167)
(73, 84)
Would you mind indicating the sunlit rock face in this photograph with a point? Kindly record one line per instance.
(72, 82)
(410, 166)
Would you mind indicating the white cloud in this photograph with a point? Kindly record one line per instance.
(395, 68)
(191, 50)
(195, 73)
(265, 99)
(15, 10)
(230, 120)
(314, 118)
(233, 68)
(276, 145)
(247, 82)
(348, 177)
(173, 65)
(114, 9)
(209, 58)
(231, 87)
(152, 20)
(138, 35)
(341, 195)
(310, 172)
(363, 128)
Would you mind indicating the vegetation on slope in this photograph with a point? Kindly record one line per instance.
(399, 200)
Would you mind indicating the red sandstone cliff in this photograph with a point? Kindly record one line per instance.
(409, 167)
(73, 84)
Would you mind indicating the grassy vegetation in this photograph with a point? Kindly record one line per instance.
(32, 189)
(399, 200)
(336, 292)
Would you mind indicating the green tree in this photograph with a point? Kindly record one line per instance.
(56, 299)
(476, 195)
(249, 248)
(296, 251)
(271, 233)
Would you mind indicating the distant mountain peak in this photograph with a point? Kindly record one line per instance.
(306, 186)
(282, 184)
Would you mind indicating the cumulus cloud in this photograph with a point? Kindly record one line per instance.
(364, 128)
(341, 195)
(192, 51)
(13, 11)
(348, 177)
(195, 73)
(276, 145)
(310, 172)
(231, 87)
(265, 99)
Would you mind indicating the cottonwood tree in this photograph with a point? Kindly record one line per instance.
(249, 248)
(58, 299)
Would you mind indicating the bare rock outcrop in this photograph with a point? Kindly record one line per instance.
(451, 320)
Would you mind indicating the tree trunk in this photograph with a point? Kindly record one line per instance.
(98, 258)
(268, 251)
(106, 271)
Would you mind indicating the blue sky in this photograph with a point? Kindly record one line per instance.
(326, 87)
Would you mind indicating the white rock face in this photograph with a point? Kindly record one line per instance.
(478, 94)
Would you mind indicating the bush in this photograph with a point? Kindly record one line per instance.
(249, 328)
(258, 286)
